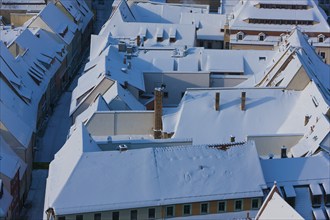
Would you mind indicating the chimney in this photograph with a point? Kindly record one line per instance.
(283, 152)
(138, 40)
(243, 98)
(232, 138)
(307, 117)
(158, 113)
(217, 101)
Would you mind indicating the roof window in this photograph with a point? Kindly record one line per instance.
(240, 35)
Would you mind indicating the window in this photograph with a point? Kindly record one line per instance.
(172, 39)
(255, 203)
(222, 206)
(240, 35)
(316, 201)
(151, 213)
(115, 216)
(320, 38)
(187, 209)
(79, 217)
(262, 58)
(97, 216)
(209, 45)
(204, 208)
(170, 211)
(238, 205)
(61, 218)
(262, 37)
(327, 200)
(133, 214)
(322, 54)
(165, 94)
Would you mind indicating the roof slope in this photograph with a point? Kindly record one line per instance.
(275, 207)
(62, 25)
(211, 126)
(151, 177)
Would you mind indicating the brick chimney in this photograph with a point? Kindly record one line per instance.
(217, 101)
(138, 40)
(307, 117)
(243, 98)
(158, 111)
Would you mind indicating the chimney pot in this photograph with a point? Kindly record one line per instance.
(232, 138)
(138, 40)
(283, 152)
(307, 117)
(217, 101)
(243, 98)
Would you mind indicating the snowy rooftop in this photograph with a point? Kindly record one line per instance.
(62, 26)
(149, 32)
(211, 126)
(145, 15)
(249, 10)
(153, 178)
(28, 5)
(275, 207)
(298, 171)
(9, 34)
(9, 161)
(79, 11)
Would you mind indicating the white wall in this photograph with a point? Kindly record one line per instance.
(267, 144)
(121, 123)
(176, 84)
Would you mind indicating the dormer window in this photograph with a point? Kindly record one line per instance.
(261, 36)
(320, 38)
(240, 35)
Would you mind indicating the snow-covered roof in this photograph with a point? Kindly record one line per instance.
(249, 10)
(275, 207)
(208, 25)
(152, 176)
(183, 34)
(5, 201)
(43, 56)
(211, 126)
(9, 34)
(11, 161)
(19, 5)
(297, 171)
(9, 164)
(62, 26)
(163, 13)
(80, 12)
(119, 98)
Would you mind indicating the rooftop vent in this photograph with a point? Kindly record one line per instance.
(122, 46)
(122, 147)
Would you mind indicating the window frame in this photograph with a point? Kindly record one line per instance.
(173, 210)
(207, 208)
(225, 206)
(183, 209)
(135, 211)
(112, 215)
(238, 200)
(154, 213)
(259, 202)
